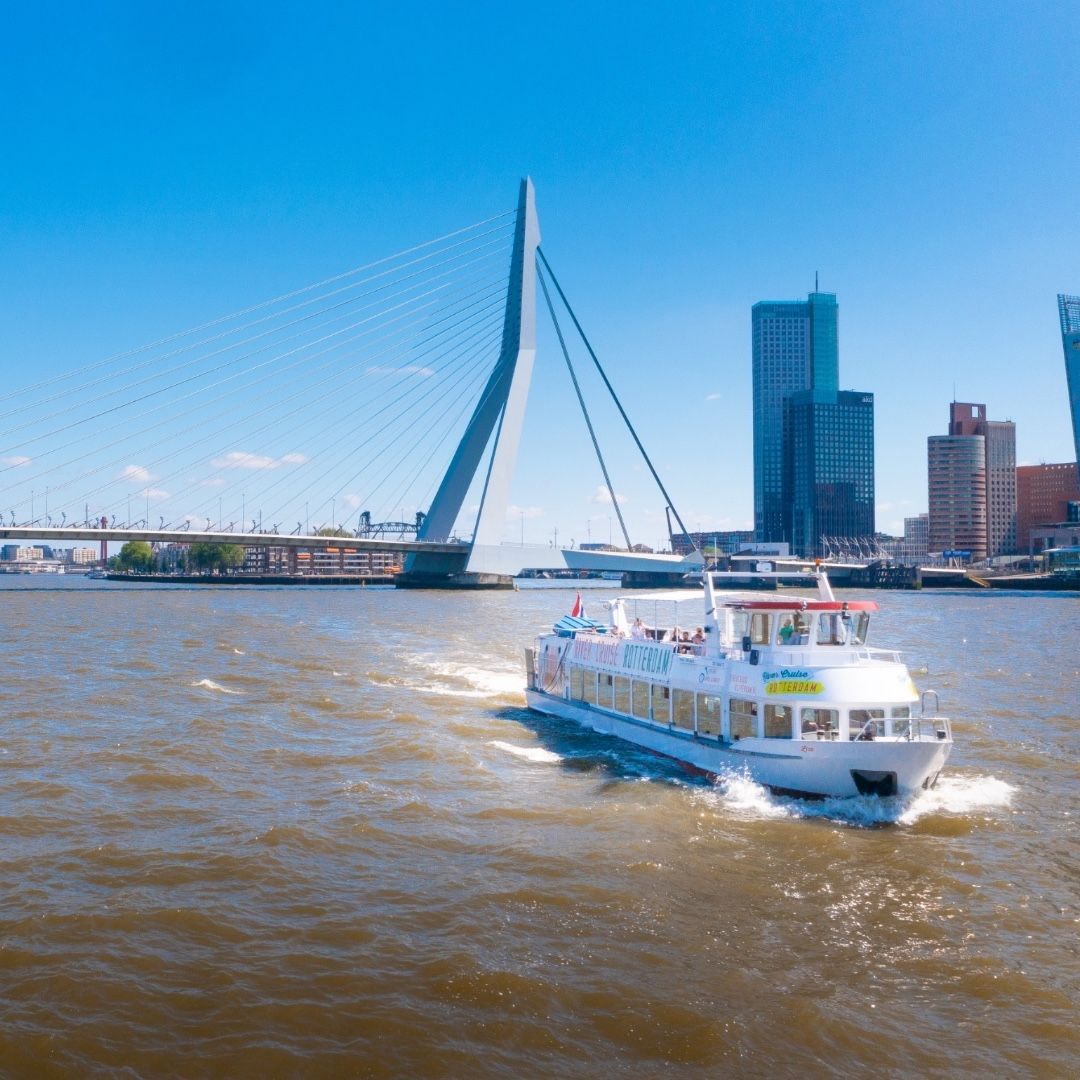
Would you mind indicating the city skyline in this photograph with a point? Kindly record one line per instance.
(161, 176)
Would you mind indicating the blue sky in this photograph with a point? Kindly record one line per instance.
(168, 164)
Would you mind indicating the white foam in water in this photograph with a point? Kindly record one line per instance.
(953, 795)
(959, 795)
(529, 753)
(209, 684)
(478, 682)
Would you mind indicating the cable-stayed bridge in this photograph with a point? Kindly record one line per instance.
(328, 407)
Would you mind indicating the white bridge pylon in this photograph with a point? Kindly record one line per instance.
(501, 409)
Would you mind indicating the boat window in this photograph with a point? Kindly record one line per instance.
(759, 628)
(577, 685)
(622, 694)
(743, 718)
(831, 629)
(792, 630)
(866, 723)
(858, 625)
(740, 625)
(661, 704)
(683, 709)
(777, 721)
(708, 715)
(590, 687)
(604, 687)
(641, 699)
(900, 710)
(820, 723)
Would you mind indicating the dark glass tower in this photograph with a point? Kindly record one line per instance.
(794, 347)
(829, 467)
(1069, 313)
(813, 443)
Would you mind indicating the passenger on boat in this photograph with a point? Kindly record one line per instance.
(637, 631)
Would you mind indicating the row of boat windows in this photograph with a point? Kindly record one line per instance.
(703, 713)
(801, 628)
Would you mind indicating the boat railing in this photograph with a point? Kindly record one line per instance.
(916, 729)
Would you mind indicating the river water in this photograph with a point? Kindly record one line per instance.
(309, 831)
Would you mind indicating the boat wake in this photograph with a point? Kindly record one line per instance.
(467, 681)
(957, 796)
(529, 753)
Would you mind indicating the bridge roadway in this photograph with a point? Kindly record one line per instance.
(46, 534)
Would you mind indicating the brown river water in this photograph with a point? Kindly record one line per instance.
(314, 832)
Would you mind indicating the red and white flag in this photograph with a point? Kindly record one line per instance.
(578, 610)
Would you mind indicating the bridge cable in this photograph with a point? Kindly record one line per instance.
(489, 304)
(256, 307)
(335, 392)
(615, 398)
(584, 410)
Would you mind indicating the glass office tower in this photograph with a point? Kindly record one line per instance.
(813, 443)
(829, 467)
(1069, 313)
(794, 347)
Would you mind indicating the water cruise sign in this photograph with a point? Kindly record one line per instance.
(791, 681)
(647, 658)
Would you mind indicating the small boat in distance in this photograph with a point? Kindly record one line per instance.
(785, 689)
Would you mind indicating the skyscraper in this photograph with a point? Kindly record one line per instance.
(971, 478)
(1069, 313)
(813, 443)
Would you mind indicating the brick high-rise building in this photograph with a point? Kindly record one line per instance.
(1043, 494)
(994, 483)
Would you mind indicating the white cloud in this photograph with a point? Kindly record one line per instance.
(136, 472)
(514, 513)
(713, 397)
(603, 496)
(241, 459)
(213, 481)
(155, 493)
(407, 369)
(351, 501)
(18, 459)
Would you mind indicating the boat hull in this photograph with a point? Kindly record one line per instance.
(802, 768)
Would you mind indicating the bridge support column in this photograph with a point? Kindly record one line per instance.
(501, 410)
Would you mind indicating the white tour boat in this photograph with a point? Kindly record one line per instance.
(781, 687)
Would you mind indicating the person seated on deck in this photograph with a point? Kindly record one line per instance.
(637, 631)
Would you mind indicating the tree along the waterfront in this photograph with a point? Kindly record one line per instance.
(136, 555)
(210, 556)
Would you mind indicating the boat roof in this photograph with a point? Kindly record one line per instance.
(796, 603)
(743, 600)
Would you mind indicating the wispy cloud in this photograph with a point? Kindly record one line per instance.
(713, 397)
(242, 459)
(155, 493)
(603, 496)
(18, 459)
(213, 481)
(136, 472)
(351, 501)
(514, 512)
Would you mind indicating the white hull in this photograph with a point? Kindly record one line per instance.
(815, 769)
